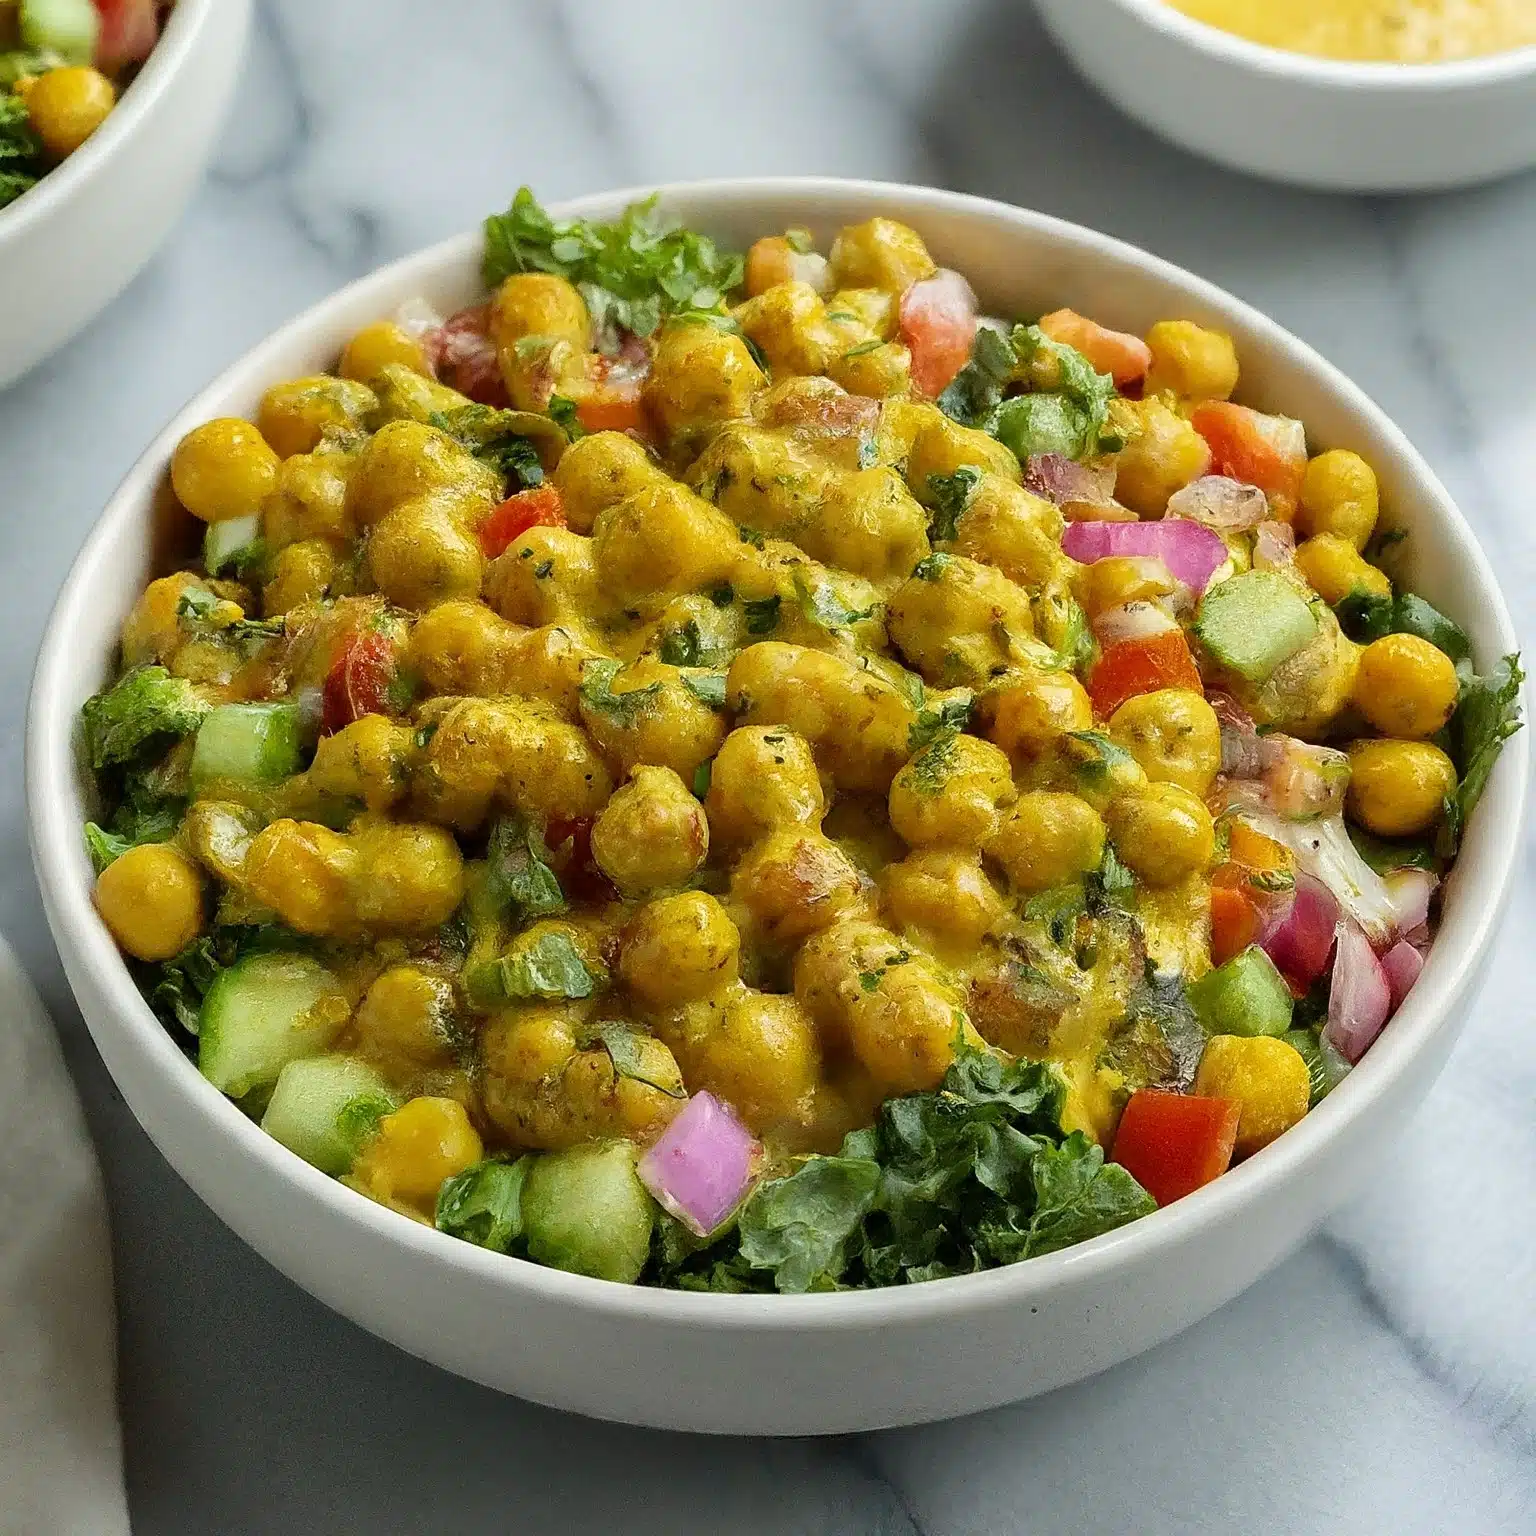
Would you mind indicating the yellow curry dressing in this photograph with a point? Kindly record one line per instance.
(1392, 31)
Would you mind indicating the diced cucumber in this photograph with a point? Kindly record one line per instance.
(231, 544)
(263, 1012)
(1253, 622)
(1246, 996)
(68, 28)
(325, 1108)
(251, 743)
(586, 1211)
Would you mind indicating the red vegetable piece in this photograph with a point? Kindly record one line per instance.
(129, 31)
(1267, 451)
(1174, 1143)
(614, 403)
(569, 840)
(1142, 666)
(538, 508)
(938, 325)
(463, 356)
(1235, 921)
(359, 679)
(1125, 358)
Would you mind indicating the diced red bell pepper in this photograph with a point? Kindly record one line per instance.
(1267, 451)
(359, 680)
(1142, 666)
(569, 840)
(1125, 358)
(938, 325)
(129, 31)
(538, 508)
(463, 356)
(1173, 1143)
(1235, 919)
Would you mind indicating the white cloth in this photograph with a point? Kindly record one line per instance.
(61, 1461)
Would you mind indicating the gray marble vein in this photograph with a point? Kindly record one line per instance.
(1384, 1378)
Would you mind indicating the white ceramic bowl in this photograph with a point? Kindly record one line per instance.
(1323, 123)
(75, 241)
(800, 1364)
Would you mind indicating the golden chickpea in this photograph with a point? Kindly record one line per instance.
(599, 471)
(539, 304)
(1018, 532)
(1162, 832)
(421, 555)
(152, 900)
(855, 721)
(1174, 734)
(940, 446)
(1335, 569)
(311, 500)
(880, 253)
(301, 871)
(770, 261)
(700, 376)
(406, 877)
(1164, 457)
(877, 372)
(547, 664)
(904, 1030)
(407, 459)
(1030, 713)
(1397, 788)
(664, 723)
(301, 573)
(1048, 839)
(368, 760)
(795, 881)
(545, 576)
(789, 325)
(663, 539)
(678, 948)
(868, 523)
(461, 647)
(1405, 686)
(960, 623)
(152, 631)
(1191, 361)
(652, 834)
(761, 1057)
(943, 893)
(294, 416)
(1122, 579)
(407, 1017)
(376, 346)
(1339, 495)
(425, 1141)
(865, 312)
(762, 478)
(952, 793)
(763, 777)
(223, 469)
(66, 106)
(1266, 1078)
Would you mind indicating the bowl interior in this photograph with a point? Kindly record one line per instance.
(1020, 263)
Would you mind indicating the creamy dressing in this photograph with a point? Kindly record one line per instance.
(1393, 31)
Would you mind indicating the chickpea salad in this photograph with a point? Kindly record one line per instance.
(737, 772)
(63, 64)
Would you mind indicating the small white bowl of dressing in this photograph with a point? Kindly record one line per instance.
(1334, 124)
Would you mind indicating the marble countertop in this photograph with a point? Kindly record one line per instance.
(1385, 1377)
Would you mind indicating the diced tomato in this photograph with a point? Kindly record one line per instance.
(359, 680)
(569, 840)
(1173, 1143)
(1125, 358)
(538, 508)
(463, 356)
(614, 402)
(938, 325)
(1234, 920)
(1267, 451)
(129, 31)
(1142, 666)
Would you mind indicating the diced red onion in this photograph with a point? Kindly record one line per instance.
(1274, 546)
(702, 1164)
(1302, 779)
(1360, 996)
(1219, 502)
(1192, 552)
(1243, 750)
(1410, 890)
(1131, 621)
(813, 268)
(1402, 965)
(1060, 479)
(1302, 942)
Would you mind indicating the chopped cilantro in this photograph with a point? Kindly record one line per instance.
(520, 879)
(562, 411)
(702, 776)
(1487, 715)
(762, 614)
(931, 567)
(707, 687)
(21, 152)
(872, 345)
(949, 719)
(949, 495)
(822, 606)
(977, 389)
(623, 709)
(146, 707)
(491, 436)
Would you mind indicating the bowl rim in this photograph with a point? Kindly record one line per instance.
(51, 765)
(1381, 75)
(177, 41)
